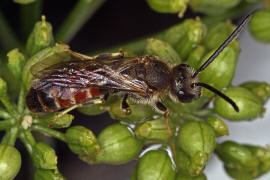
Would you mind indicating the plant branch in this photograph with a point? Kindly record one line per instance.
(49, 131)
(83, 11)
(28, 140)
(30, 14)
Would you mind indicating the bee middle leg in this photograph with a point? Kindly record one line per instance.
(125, 105)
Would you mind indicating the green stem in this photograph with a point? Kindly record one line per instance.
(28, 140)
(52, 132)
(136, 46)
(13, 136)
(9, 106)
(205, 112)
(8, 38)
(5, 124)
(83, 10)
(5, 137)
(21, 100)
(30, 14)
(4, 114)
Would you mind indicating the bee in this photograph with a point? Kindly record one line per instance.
(83, 80)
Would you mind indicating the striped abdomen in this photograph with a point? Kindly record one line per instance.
(55, 98)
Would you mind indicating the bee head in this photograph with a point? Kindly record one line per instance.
(182, 84)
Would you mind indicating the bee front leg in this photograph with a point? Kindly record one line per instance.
(165, 110)
(125, 105)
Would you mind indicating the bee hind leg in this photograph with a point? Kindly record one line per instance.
(109, 56)
(125, 106)
(62, 113)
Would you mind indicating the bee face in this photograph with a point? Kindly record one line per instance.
(182, 84)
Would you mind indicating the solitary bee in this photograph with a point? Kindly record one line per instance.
(83, 80)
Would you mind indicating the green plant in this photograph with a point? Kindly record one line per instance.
(192, 129)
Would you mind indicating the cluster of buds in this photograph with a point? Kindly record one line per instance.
(187, 137)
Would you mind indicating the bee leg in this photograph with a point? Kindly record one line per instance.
(61, 113)
(165, 110)
(125, 106)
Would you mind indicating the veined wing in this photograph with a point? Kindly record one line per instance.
(104, 74)
(62, 54)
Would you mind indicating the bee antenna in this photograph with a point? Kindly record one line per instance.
(217, 92)
(238, 29)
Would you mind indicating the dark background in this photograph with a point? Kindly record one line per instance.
(117, 21)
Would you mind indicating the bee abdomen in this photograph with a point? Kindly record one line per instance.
(54, 99)
(38, 101)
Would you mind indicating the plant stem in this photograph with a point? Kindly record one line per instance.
(5, 137)
(136, 46)
(4, 114)
(83, 10)
(9, 106)
(30, 13)
(5, 124)
(21, 100)
(13, 136)
(52, 132)
(8, 38)
(28, 140)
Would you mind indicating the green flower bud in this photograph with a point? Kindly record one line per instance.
(93, 109)
(10, 162)
(237, 174)
(263, 155)
(40, 38)
(156, 130)
(218, 125)
(212, 7)
(236, 156)
(3, 88)
(195, 137)
(170, 6)
(16, 61)
(219, 73)
(259, 25)
(182, 176)
(155, 164)
(163, 50)
(217, 34)
(61, 122)
(195, 31)
(249, 105)
(45, 174)
(259, 89)
(175, 33)
(44, 156)
(192, 166)
(82, 141)
(50, 54)
(196, 56)
(139, 112)
(118, 145)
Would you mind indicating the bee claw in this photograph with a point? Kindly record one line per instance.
(127, 111)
